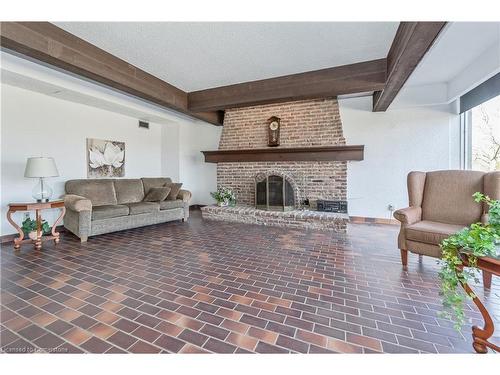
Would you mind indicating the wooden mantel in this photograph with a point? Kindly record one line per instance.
(330, 153)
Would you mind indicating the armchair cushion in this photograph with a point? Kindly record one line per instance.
(430, 232)
(408, 215)
(448, 197)
(492, 185)
(77, 203)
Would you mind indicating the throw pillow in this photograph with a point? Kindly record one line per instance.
(157, 194)
(174, 190)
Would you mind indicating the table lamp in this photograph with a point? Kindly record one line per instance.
(41, 168)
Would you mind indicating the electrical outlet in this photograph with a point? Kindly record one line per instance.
(390, 207)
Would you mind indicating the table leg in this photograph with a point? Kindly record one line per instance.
(481, 335)
(58, 220)
(487, 276)
(17, 241)
(38, 241)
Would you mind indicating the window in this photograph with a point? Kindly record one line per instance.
(482, 136)
(480, 126)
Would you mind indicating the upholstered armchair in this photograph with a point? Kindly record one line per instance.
(440, 204)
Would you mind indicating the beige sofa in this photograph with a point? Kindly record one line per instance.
(441, 204)
(96, 207)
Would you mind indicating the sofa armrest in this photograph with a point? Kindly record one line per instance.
(185, 195)
(77, 203)
(409, 215)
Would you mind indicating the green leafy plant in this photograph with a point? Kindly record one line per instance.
(29, 225)
(479, 239)
(224, 195)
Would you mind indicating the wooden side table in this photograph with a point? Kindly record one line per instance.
(37, 207)
(490, 265)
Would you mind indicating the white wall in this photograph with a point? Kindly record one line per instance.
(198, 176)
(183, 161)
(34, 124)
(396, 142)
(170, 151)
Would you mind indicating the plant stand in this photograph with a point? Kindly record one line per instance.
(481, 335)
(37, 207)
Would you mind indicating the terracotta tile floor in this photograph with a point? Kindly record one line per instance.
(204, 286)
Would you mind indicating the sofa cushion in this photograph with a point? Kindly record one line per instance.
(157, 194)
(143, 207)
(109, 211)
(129, 190)
(150, 182)
(100, 192)
(168, 205)
(174, 190)
(430, 232)
(448, 197)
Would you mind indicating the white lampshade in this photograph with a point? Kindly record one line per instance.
(41, 167)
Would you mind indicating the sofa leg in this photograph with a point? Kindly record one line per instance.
(404, 257)
(83, 239)
(420, 258)
(487, 279)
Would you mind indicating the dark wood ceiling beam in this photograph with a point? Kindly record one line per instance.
(347, 79)
(52, 45)
(411, 43)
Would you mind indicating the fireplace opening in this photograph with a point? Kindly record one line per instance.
(274, 193)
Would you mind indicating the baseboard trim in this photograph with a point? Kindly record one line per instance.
(372, 220)
(7, 238)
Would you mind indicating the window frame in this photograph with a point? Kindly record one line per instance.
(466, 140)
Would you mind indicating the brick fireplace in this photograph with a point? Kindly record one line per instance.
(304, 124)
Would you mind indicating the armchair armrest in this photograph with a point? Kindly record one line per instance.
(484, 219)
(77, 203)
(185, 195)
(409, 215)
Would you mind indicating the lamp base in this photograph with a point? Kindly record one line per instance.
(42, 191)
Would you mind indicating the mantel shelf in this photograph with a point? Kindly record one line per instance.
(330, 153)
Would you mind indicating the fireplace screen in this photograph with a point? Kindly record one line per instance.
(274, 193)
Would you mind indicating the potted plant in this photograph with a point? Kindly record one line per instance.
(29, 228)
(477, 240)
(224, 197)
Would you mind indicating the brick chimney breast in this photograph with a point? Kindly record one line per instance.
(306, 123)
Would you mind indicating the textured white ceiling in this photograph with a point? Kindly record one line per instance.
(195, 56)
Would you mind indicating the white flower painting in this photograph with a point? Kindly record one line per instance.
(105, 158)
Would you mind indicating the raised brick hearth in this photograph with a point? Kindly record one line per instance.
(307, 123)
(293, 219)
